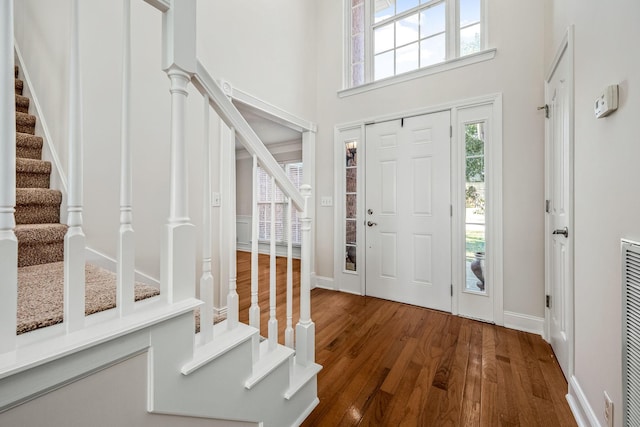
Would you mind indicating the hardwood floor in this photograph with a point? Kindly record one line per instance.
(392, 364)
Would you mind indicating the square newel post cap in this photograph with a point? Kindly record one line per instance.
(179, 36)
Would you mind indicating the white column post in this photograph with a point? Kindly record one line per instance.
(178, 263)
(254, 310)
(8, 241)
(74, 240)
(309, 178)
(126, 239)
(273, 321)
(305, 329)
(206, 281)
(288, 333)
(232, 297)
(177, 276)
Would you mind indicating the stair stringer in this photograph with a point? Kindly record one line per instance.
(217, 389)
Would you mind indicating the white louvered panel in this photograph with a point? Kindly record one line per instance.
(631, 332)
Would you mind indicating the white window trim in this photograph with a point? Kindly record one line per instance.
(452, 49)
(451, 64)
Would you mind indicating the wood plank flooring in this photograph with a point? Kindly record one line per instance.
(392, 364)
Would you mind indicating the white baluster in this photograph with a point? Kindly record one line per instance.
(126, 239)
(206, 281)
(178, 253)
(232, 297)
(288, 333)
(74, 240)
(305, 329)
(8, 241)
(254, 310)
(273, 321)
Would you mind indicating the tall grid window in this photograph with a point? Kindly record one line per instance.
(294, 172)
(391, 37)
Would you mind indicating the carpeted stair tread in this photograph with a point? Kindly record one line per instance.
(37, 205)
(19, 86)
(40, 233)
(28, 146)
(22, 104)
(40, 243)
(40, 294)
(32, 173)
(25, 123)
(15, 71)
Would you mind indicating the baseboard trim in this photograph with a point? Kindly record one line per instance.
(325, 283)
(580, 407)
(524, 322)
(263, 248)
(108, 263)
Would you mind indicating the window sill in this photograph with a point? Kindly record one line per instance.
(463, 61)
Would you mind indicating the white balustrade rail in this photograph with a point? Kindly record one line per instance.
(305, 329)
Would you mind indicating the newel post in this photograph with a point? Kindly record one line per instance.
(305, 329)
(179, 239)
(8, 241)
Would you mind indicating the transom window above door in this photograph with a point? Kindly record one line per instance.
(393, 37)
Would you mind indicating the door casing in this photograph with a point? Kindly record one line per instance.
(355, 282)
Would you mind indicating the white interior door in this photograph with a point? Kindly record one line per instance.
(559, 188)
(407, 218)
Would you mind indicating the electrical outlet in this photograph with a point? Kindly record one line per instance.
(608, 410)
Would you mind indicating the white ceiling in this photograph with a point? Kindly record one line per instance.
(269, 131)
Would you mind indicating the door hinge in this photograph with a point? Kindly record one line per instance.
(452, 289)
(450, 131)
(402, 122)
(545, 107)
(547, 206)
(451, 210)
(548, 301)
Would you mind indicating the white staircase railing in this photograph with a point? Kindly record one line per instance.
(178, 259)
(242, 131)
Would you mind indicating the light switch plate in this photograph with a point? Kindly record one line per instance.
(326, 201)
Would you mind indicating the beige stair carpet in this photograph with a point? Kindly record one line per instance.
(41, 296)
(41, 236)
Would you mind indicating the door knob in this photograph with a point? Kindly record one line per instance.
(371, 224)
(564, 232)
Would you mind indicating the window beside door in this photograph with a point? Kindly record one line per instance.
(475, 198)
(351, 204)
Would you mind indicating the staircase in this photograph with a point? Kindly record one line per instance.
(224, 373)
(41, 236)
(38, 229)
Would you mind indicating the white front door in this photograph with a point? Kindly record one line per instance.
(559, 224)
(407, 217)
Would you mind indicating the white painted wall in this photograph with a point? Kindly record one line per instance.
(101, 400)
(606, 202)
(239, 41)
(517, 71)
